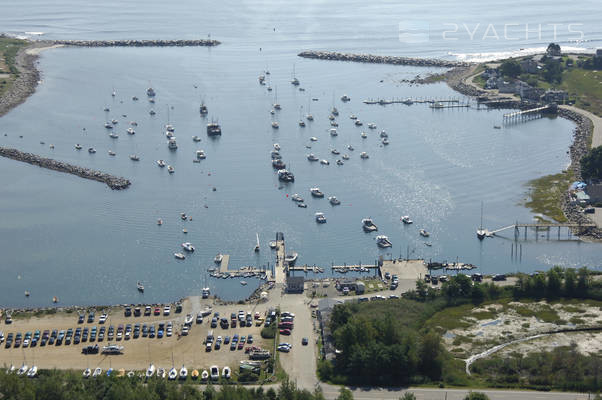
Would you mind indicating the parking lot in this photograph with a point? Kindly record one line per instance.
(150, 342)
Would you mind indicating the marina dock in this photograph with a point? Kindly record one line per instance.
(524, 115)
(404, 269)
(223, 267)
(542, 226)
(279, 270)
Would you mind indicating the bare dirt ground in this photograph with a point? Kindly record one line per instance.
(495, 324)
(138, 353)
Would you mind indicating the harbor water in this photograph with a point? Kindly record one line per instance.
(80, 241)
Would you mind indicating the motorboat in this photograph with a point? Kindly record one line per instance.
(218, 258)
(114, 121)
(372, 125)
(350, 148)
(334, 123)
(364, 135)
(275, 154)
(200, 154)
(424, 233)
(150, 371)
(97, 372)
(309, 117)
(273, 244)
(161, 163)
(291, 258)
(297, 198)
(140, 287)
(187, 246)
(151, 100)
(406, 219)
(194, 374)
(161, 373)
(131, 374)
(345, 98)
(204, 375)
(108, 125)
(334, 111)
(335, 151)
(134, 157)
(113, 135)
(301, 205)
(203, 109)
(195, 138)
(87, 372)
(331, 117)
(243, 283)
(368, 225)
(179, 256)
(364, 155)
(111, 153)
(91, 150)
(345, 157)
(334, 201)
(275, 125)
(169, 128)
(324, 162)
(152, 112)
(285, 176)
(358, 123)
(312, 157)
(169, 134)
(159, 221)
(382, 241)
(384, 134)
(205, 293)
(106, 109)
(339, 162)
(301, 123)
(183, 373)
(214, 129)
(170, 169)
(171, 144)
(316, 192)
(276, 147)
(22, 370)
(385, 141)
(226, 373)
(31, 373)
(150, 92)
(333, 132)
(313, 139)
(173, 374)
(278, 164)
(352, 116)
(320, 218)
(277, 106)
(131, 131)
(214, 372)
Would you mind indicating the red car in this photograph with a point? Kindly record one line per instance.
(157, 311)
(285, 332)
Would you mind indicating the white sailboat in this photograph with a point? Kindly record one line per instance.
(481, 233)
(256, 249)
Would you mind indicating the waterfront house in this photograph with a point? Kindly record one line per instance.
(531, 93)
(505, 86)
(530, 66)
(555, 96)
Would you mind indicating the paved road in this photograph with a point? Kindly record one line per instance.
(597, 121)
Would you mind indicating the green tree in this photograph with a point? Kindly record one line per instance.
(421, 289)
(591, 164)
(554, 288)
(430, 351)
(477, 294)
(570, 282)
(476, 396)
(510, 68)
(345, 394)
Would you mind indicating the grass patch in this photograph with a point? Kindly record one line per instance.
(576, 321)
(586, 87)
(9, 47)
(480, 315)
(545, 195)
(450, 318)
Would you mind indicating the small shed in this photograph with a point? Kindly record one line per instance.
(294, 284)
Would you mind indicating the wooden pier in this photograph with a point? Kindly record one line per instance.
(525, 115)
(223, 266)
(543, 226)
(409, 101)
(279, 270)
(306, 268)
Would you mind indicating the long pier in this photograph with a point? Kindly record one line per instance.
(537, 226)
(114, 182)
(409, 101)
(138, 43)
(523, 115)
(375, 59)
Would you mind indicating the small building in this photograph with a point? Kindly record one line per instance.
(505, 86)
(529, 66)
(295, 284)
(531, 93)
(555, 96)
(491, 83)
(360, 287)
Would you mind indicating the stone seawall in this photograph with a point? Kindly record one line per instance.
(374, 59)
(137, 43)
(114, 182)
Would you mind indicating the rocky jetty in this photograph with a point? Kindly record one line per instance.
(114, 182)
(138, 43)
(25, 83)
(374, 59)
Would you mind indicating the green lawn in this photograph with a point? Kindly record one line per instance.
(545, 195)
(8, 51)
(586, 87)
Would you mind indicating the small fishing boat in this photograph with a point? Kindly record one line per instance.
(350, 148)
(140, 287)
(272, 244)
(106, 109)
(364, 135)
(218, 258)
(204, 375)
(334, 110)
(334, 201)
(87, 372)
(179, 256)
(339, 162)
(226, 373)
(243, 283)
(114, 121)
(333, 132)
(91, 150)
(196, 138)
(385, 141)
(161, 163)
(316, 192)
(200, 154)
(171, 144)
(296, 197)
(372, 125)
(183, 373)
(97, 372)
(406, 219)
(134, 157)
(111, 153)
(113, 135)
(424, 233)
(170, 169)
(383, 241)
(335, 152)
(368, 225)
(324, 162)
(320, 218)
(150, 92)
(301, 205)
(150, 371)
(331, 117)
(194, 374)
(152, 112)
(187, 246)
(173, 374)
(313, 139)
(108, 125)
(345, 157)
(352, 116)
(203, 109)
(131, 131)
(345, 98)
(364, 155)
(358, 123)
(383, 134)
(312, 157)
(275, 125)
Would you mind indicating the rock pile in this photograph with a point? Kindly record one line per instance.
(114, 182)
(138, 43)
(374, 59)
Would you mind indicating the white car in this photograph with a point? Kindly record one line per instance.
(168, 331)
(166, 310)
(185, 330)
(103, 318)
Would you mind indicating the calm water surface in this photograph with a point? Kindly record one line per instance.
(77, 239)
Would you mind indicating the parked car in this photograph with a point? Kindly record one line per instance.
(304, 341)
(285, 332)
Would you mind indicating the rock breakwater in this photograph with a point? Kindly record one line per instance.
(138, 43)
(375, 59)
(114, 182)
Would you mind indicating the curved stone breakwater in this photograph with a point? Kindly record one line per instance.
(114, 182)
(374, 59)
(138, 43)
